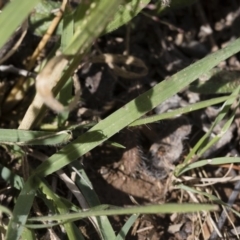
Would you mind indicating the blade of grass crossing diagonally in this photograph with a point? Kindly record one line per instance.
(124, 230)
(133, 110)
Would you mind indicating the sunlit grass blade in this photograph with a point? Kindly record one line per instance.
(133, 110)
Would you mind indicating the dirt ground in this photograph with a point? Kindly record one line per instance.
(142, 172)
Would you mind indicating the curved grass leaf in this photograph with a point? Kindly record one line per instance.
(150, 209)
(3, 209)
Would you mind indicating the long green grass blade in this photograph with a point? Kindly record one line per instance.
(214, 161)
(133, 110)
(177, 112)
(151, 209)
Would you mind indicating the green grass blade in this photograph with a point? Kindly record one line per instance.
(40, 20)
(11, 178)
(28, 234)
(216, 138)
(214, 161)
(21, 210)
(133, 110)
(70, 228)
(95, 20)
(85, 186)
(3, 209)
(150, 209)
(177, 112)
(217, 81)
(202, 145)
(123, 232)
(125, 13)
(18, 13)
